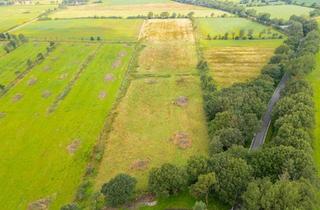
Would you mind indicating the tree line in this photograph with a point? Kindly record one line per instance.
(246, 34)
(14, 41)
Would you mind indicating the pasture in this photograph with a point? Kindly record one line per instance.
(237, 61)
(283, 11)
(215, 27)
(11, 16)
(132, 9)
(15, 62)
(149, 126)
(48, 127)
(83, 29)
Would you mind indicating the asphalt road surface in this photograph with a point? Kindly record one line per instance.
(259, 138)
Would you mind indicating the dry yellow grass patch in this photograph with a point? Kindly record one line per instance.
(236, 64)
(167, 30)
(91, 10)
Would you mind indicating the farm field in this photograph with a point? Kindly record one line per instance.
(232, 26)
(59, 110)
(133, 9)
(283, 11)
(237, 61)
(14, 63)
(84, 29)
(2, 51)
(160, 114)
(11, 16)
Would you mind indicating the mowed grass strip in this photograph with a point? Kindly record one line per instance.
(283, 11)
(220, 26)
(237, 61)
(148, 127)
(11, 16)
(45, 154)
(83, 29)
(14, 63)
(135, 9)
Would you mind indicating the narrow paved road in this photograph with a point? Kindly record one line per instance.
(259, 138)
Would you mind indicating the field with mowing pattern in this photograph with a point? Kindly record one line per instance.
(84, 29)
(11, 16)
(15, 63)
(168, 44)
(134, 9)
(48, 127)
(237, 61)
(283, 11)
(232, 26)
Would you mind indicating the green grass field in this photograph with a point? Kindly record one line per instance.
(237, 61)
(307, 2)
(283, 11)
(106, 29)
(11, 16)
(44, 154)
(14, 63)
(135, 8)
(220, 26)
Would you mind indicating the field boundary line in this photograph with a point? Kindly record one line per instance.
(70, 85)
(141, 29)
(24, 73)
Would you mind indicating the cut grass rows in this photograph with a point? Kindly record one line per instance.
(50, 151)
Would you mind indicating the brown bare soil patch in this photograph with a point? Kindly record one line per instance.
(182, 140)
(117, 63)
(46, 68)
(46, 94)
(167, 30)
(17, 97)
(41, 204)
(181, 101)
(102, 95)
(108, 77)
(63, 76)
(139, 165)
(32, 81)
(72, 148)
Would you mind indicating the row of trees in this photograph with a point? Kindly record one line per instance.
(14, 41)
(243, 35)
